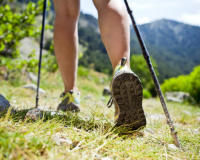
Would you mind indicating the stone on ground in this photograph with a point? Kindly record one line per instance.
(106, 91)
(4, 104)
(106, 158)
(179, 97)
(34, 114)
(34, 88)
(149, 130)
(172, 147)
(60, 139)
(156, 117)
(198, 119)
(32, 77)
(187, 113)
(28, 46)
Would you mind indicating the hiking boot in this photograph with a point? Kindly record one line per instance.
(127, 94)
(70, 101)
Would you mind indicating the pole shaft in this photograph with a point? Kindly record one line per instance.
(40, 56)
(154, 77)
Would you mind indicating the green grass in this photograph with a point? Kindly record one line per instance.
(90, 133)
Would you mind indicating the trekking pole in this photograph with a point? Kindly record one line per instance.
(153, 74)
(41, 47)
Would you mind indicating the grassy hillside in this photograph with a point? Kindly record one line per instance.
(89, 134)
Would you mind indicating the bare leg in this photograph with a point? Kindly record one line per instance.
(114, 27)
(66, 40)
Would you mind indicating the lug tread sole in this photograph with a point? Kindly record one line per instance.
(127, 93)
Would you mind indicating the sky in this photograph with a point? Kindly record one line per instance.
(187, 11)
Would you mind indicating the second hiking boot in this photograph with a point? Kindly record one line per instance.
(127, 95)
(70, 101)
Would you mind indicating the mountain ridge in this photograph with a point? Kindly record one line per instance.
(171, 43)
(174, 45)
(170, 20)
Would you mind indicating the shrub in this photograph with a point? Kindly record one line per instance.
(139, 66)
(83, 72)
(16, 67)
(195, 84)
(146, 94)
(180, 83)
(16, 25)
(49, 63)
(188, 83)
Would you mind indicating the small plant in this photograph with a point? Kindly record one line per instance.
(83, 72)
(186, 83)
(146, 94)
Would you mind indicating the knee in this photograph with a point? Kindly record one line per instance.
(115, 7)
(100, 4)
(67, 11)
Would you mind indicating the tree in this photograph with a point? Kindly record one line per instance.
(15, 25)
(139, 66)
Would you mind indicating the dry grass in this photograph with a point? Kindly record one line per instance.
(89, 134)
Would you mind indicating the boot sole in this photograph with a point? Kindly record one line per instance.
(128, 94)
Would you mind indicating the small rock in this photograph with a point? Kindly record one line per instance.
(178, 97)
(149, 130)
(29, 136)
(198, 119)
(88, 97)
(4, 104)
(97, 157)
(53, 113)
(34, 114)
(61, 139)
(196, 131)
(103, 99)
(187, 112)
(34, 88)
(28, 46)
(106, 158)
(32, 77)
(172, 147)
(106, 91)
(177, 124)
(101, 80)
(156, 117)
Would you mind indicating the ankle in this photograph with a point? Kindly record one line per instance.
(71, 89)
(122, 62)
